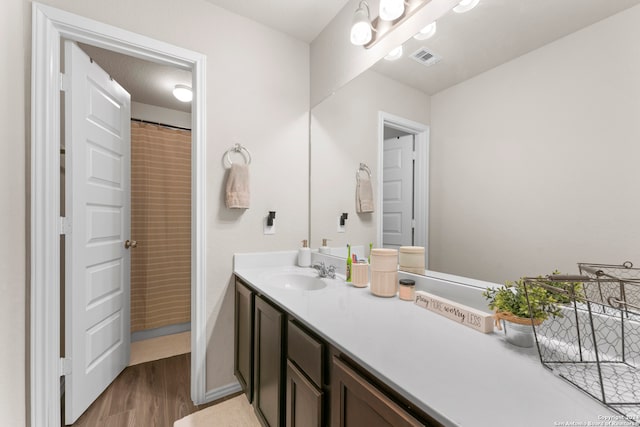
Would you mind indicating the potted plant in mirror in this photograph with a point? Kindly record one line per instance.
(521, 308)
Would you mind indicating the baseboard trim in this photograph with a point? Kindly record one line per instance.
(221, 392)
(160, 332)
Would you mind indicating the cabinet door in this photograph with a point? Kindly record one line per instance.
(304, 400)
(268, 379)
(243, 325)
(355, 402)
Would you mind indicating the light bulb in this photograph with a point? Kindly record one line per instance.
(391, 9)
(361, 28)
(395, 53)
(465, 6)
(427, 32)
(183, 93)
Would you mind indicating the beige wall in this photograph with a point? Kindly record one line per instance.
(162, 115)
(344, 132)
(14, 77)
(257, 94)
(534, 164)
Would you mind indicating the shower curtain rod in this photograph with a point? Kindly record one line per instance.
(63, 151)
(159, 124)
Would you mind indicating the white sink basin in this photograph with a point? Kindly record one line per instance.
(296, 282)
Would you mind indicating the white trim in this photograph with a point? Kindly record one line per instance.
(220, 392)
(421, 185)
(50, 25)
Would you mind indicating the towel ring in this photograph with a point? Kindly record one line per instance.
(363, 168)
(237, 148)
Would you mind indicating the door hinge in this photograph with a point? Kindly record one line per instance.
(413, 223)
(65, 225)
(413, 155)
(65, 366)
(64, 82)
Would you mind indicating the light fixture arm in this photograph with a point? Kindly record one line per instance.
(365, 4)
(380, 31)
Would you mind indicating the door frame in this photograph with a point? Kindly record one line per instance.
(421, 180)
(49, 26)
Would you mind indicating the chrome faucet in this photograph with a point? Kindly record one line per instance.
(325, 271)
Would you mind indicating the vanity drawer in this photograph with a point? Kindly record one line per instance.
(306, 352)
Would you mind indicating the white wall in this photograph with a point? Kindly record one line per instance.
(344, 132)
(257, 94)
(14, 76)
(167, 116)
(534, 164)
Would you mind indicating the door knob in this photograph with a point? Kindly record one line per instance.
(130, 244)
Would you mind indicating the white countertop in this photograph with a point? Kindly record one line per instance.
(457, 375)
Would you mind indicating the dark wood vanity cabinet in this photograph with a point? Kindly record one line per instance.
(243, 342)
(305, 378)
(296, 379)
(268, 366)
(304, 403)
(355, 402)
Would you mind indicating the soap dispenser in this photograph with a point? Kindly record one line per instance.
(324, 249)
(304, 255)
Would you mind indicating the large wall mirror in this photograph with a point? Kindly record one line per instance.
(532, 111)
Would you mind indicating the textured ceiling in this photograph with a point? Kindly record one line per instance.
(302, 19)
(147, 82)
(493, 33)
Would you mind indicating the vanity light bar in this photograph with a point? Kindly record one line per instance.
(381, 27)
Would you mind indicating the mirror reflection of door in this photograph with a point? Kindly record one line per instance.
(398, 189)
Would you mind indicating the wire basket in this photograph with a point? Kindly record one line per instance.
(624, 273)
(594, 342)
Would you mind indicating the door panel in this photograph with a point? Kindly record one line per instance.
(243, 325)
(304, 400)
(268, 371)
(397, 192)
(97, 129)
(355, 402)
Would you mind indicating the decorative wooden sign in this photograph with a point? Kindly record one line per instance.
(475, 319)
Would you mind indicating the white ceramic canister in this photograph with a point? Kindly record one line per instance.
(411, 258)
(384, 272)
(360, 274)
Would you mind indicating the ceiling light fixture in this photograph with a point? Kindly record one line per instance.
(427, 32)
(367, 32)
(361, 31)
(391, 9)
(183, 93)
(394, 54)
(465, 6)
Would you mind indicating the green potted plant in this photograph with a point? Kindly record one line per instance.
(520, 313)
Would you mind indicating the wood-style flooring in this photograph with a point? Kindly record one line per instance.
(152, 394)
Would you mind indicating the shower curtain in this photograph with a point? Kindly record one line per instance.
(161, 224)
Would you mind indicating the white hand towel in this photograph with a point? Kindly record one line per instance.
(237, 192)
(364, 195)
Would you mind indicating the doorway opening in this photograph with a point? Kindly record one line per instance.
(148, 314)
(403, 202)
(50, 27)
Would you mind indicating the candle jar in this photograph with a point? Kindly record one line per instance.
(407, 289)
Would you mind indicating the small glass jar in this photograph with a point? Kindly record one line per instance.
(407, 289)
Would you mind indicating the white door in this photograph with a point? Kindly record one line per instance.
(397, 192)
(97, 265)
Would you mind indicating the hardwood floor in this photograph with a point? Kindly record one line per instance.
(152, 394)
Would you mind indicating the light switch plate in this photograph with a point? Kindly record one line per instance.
(268, 229)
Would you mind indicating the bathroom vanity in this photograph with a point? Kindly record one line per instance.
(319, 352)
